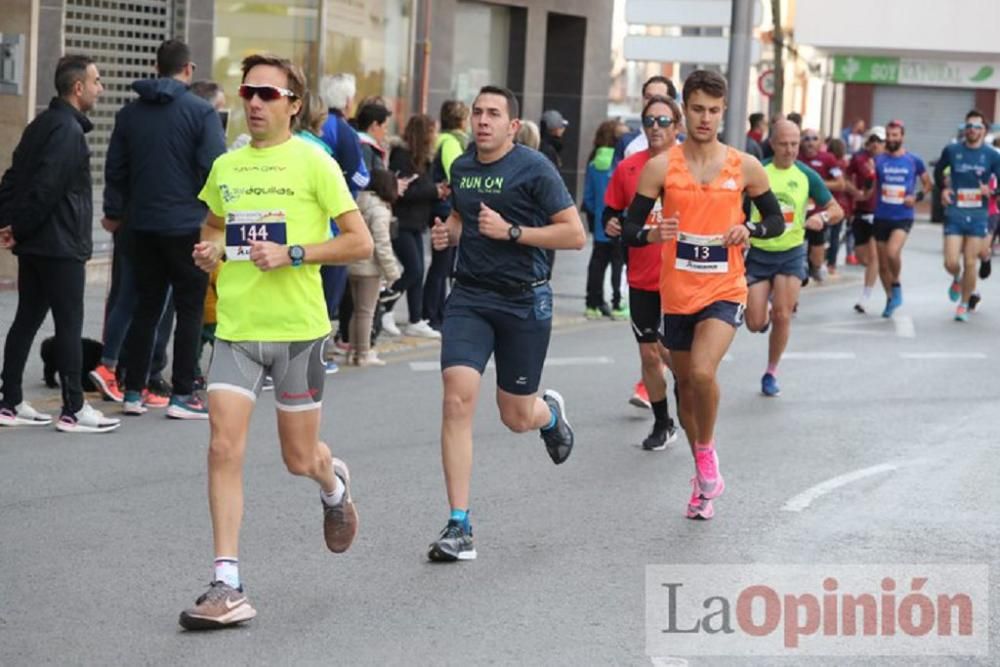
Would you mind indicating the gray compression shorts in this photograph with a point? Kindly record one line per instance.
(296, 368)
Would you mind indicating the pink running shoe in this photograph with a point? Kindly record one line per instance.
(699, 509)
(640, 397)
(710, 482)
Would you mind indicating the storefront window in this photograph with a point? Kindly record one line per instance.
(372, 40)
(475, 66)
(286, 28)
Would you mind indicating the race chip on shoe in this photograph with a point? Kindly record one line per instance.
(246, 227)
(701, 254)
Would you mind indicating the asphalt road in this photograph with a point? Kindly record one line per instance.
(104, 539)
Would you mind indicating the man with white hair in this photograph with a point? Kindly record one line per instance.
(338, 92)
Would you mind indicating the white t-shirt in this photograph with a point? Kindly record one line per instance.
(640, 143)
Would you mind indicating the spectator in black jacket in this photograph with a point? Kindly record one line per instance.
(412, 164)
(161, 151)
(552, 128)
(46, 217)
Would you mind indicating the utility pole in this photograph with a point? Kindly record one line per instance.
(740, 34)
(777, 99)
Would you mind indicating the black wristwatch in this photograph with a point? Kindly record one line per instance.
(297, 254)
(514, 233)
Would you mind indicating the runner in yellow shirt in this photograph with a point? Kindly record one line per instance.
(269, 209)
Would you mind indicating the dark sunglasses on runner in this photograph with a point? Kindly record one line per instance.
(662, 121)
(265, 93)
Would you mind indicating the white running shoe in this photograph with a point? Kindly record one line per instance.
(87, 420)
(421, 330)
(24, 415)
(389, 325)
(369, 358)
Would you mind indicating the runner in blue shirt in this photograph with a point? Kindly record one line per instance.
(965, 191)
(896, 174)
(509, 206)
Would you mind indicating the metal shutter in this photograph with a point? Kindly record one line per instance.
(931, 115)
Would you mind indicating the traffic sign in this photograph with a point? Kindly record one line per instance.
(765, 82)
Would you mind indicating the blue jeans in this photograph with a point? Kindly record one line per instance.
(409, 247)
(334, 284)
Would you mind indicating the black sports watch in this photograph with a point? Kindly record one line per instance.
(514, 233)
(297, 254)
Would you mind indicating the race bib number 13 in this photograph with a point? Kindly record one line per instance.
(701, 254)
(246, 227)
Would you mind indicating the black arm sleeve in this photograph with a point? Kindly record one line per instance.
(608, 214)
(772, 222)
(635, 220)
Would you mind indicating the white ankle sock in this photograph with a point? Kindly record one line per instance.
(227, 570)
(337, 495)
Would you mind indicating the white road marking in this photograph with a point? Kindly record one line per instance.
(819, 356)
(667, 661)
(801, 501)
(943, 355)
(425, 366)
(904, 326)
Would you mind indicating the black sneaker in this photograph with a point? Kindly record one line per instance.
(985, 268)
(858, 308)
(660, 437)
(974, 300)
(387, 297)
(559, 438)
(160, 387)
(454, 544)
(605, 311)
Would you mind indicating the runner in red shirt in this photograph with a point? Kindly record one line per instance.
(828, 168)
(661, 120)
(861, 176)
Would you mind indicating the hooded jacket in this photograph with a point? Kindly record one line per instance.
(46, 196)
(161, 151)
(594, 185)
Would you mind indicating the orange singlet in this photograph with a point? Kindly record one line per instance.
(697, 270)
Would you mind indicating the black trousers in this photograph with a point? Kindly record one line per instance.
(604, 253)
(161, 262)
(409, 248)
(436, 285)
(44, 283)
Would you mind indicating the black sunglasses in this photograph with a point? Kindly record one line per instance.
(265, 93)
(662, 121)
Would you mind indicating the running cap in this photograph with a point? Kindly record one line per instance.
(553, 119)
(877, 132)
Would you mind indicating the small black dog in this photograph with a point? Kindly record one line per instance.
(92, 351)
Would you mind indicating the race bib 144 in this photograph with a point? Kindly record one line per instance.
(245, 227)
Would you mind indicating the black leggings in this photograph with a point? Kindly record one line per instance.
(604, 253)
(44, 283)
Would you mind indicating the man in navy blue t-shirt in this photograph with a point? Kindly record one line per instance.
(509, 205)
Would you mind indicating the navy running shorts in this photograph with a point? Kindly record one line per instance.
(885, 228)
(863, 227)
(678, 330)
(764, 265)
(471, 334)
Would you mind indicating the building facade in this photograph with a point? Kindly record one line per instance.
(413, 53)
(924, 64)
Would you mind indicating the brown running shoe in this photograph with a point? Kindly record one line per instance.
(340, 522)
(220, 607)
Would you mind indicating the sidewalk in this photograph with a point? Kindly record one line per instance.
(569, 284)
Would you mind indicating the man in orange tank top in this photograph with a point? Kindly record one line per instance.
(703, 288)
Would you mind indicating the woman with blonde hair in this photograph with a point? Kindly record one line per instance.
(529, 135)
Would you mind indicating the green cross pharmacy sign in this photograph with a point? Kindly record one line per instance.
(912, 72)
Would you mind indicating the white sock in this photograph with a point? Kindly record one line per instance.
(866, 293)
(227, 570)
(333, 498)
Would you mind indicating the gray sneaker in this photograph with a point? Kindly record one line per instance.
(221, 606)
(340, 521)
(558, 439)
(455, 543)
